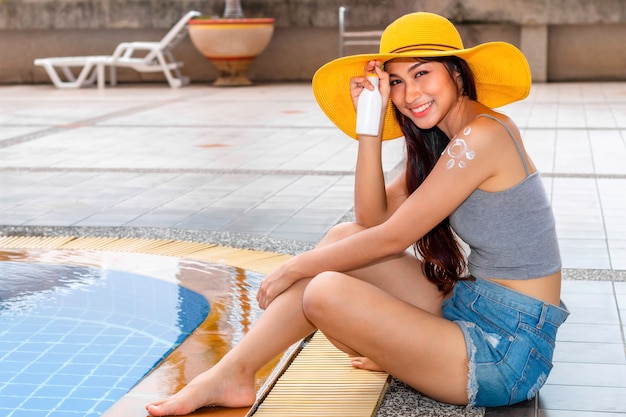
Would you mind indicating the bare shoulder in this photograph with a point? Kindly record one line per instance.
(493, 125)
(494, 141)
(489, 133)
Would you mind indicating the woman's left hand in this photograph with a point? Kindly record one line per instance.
(358, 83)
(275, 283)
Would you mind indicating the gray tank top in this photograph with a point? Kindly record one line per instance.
(511, 233)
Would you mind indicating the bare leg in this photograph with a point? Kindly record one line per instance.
(231, 383)
(400, 276)
(418, 347)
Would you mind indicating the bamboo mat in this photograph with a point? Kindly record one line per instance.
(316, 381)
(321, 382)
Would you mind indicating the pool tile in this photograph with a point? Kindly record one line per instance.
(30, 378)
(20, 390)
(10, 403)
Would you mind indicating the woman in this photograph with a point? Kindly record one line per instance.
(476, 332)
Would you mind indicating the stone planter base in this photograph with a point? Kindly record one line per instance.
(232, 72)
(231, 45)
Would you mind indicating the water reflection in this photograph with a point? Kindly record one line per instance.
(21, 282)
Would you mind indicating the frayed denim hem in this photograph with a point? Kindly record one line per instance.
(472, 382)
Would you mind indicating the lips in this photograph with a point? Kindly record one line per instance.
(420, 110)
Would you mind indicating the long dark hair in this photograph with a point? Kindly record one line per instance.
(443, 260)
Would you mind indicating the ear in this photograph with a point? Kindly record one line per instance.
(459, 80)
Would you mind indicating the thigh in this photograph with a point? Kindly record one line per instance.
(419, 348)
(401, 275)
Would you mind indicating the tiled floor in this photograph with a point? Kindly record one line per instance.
(262, 167)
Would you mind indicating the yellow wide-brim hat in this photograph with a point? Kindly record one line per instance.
(500, 70)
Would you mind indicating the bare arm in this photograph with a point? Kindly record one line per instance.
(445, 188)
(374, 202)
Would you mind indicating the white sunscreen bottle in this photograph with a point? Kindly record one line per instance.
(368, 110)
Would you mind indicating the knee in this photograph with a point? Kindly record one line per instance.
(341, 231)
(321, 298)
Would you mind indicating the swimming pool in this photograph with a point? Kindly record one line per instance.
(227, 277)
(75, 339)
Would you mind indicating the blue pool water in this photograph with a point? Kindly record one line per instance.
(75, 339)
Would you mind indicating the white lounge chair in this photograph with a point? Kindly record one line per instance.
(157, 57)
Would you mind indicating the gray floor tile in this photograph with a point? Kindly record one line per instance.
(568, 413)
(590, 352)
(588, 374)
(582, 398)
(595, 333)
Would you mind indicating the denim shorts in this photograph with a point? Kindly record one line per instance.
(509, 337)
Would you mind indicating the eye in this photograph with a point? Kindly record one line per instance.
(394, 82)
(420, 73)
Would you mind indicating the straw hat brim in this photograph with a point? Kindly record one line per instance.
(501, 73)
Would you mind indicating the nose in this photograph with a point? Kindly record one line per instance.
(411, 93)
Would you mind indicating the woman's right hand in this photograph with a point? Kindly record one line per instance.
(276, 282)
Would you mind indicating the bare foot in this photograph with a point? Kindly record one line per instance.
(362, 362)
(207, 389)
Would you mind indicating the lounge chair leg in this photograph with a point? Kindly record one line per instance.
(69, 76)
(112, 75)
(100, 76)
(172, 81)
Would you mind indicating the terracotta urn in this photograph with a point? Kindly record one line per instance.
(231, 45)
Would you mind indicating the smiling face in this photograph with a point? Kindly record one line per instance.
(423, 91)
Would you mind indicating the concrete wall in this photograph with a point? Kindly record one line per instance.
(564, 40)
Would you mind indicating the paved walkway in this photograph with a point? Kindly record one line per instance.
(261, 167)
